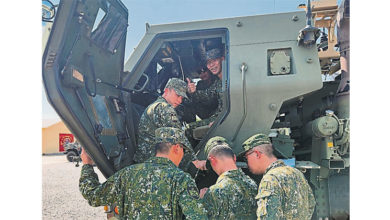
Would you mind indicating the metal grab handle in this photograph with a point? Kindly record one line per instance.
(144, 85)
(243, 69)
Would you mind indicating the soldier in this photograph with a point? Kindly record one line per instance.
(214, 59)
(161, 113)
(206, 78)
(156, 189)
(233, 195)
(283, 191)
(205, 108)
(202, 108)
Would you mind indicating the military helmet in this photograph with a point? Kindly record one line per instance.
(172, 135)
(213, 54)
(178, 85)
(215, 141)
(253, 141)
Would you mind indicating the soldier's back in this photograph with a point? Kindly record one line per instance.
(232, 197)
(297, 200)
(153, 190)
(158, 114)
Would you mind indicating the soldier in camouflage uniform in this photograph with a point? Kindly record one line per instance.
(233, 195)
(283, 191)
(206, 107)
(156, 189)
(202, 108)
(213, 93)
(161, 113)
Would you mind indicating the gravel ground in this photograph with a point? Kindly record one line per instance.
(61, 198)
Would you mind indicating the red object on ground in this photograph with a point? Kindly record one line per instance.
(65, 138)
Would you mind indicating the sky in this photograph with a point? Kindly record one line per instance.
(170, 11)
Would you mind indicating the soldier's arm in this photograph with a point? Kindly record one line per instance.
(204, 122)
(98, 194)
(214, 116)
(204, 95)
(189, 200)
(210, 202)
(311, 202)
(269, 199)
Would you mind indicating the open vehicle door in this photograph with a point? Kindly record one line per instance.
(82, 76)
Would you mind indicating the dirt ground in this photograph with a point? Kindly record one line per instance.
(61, 198)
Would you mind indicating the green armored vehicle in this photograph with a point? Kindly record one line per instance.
(272, 83)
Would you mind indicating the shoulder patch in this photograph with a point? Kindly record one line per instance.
(192, 191)
(173, 117)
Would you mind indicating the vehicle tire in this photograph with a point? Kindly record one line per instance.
(70, 155)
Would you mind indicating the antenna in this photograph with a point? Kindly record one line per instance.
(308, 36)
(308, 13)
(274, 6)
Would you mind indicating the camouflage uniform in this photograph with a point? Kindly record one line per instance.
(156, 189)
(284, 194)
(158, 114)
(208, 96)
(205, 108)
(231, 197)
(283, 191)
(233, 194)
(202, 108)
(211, 94)
(204, 84)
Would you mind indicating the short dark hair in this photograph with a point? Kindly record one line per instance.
(266, 149)
(222, 150)
(163, 147)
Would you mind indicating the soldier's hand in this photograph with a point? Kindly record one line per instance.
(85, 157)
(191, 86)
(200, 164)
(211, 124)
(202, 192)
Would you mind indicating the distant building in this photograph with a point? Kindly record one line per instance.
(54, 137)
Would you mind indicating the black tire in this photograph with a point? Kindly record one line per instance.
(70, 155)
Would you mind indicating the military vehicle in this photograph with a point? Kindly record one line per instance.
(72, 151)
(272, 83)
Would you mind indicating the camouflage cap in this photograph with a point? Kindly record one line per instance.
(213, 54)
(214, 141)
(178, 85)
(255, 140)
(172, 135)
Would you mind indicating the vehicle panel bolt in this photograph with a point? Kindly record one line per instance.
(244, 67)
(272, 106)
(295, 18)
(239, 24)
(309, 60)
